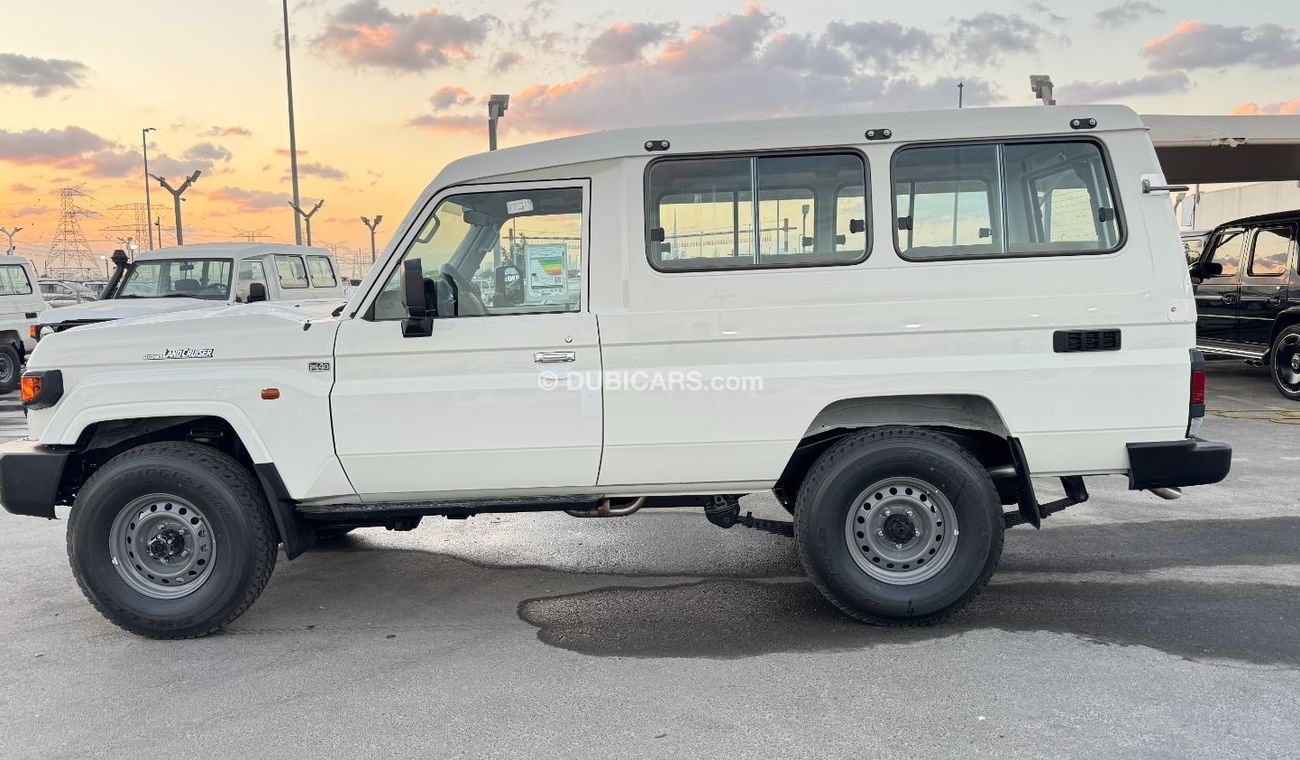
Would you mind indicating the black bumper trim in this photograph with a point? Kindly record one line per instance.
(1171, 464)
(29, 478)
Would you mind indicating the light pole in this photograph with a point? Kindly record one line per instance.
(10, 234)
(148, 206)
(372, 225)
(176, 198)
(293, 135)
(497, 107)
(307, 215)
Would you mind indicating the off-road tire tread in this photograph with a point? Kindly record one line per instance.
(839, 451)
(1272, 359)
(248, 495)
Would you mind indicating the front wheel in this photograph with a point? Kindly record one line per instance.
(1286, 362)
(171, 540)
(10, 372)
(899, 526)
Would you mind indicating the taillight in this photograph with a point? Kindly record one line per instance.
(1196, 398)
(1198, 387)
(42, 388)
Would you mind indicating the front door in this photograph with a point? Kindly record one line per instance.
(1264, 285)
(504, 395)
(1216, 297)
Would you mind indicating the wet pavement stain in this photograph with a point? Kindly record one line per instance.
(725, 619)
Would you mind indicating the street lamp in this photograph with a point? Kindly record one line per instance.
(372, 225)
(148, 206)
(497, 107)
(307, 215)
(10, 234)
(293, 134)
(176, 198)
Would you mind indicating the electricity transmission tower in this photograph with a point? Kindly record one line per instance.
(134, 222)
(70, 255)
(251, 236)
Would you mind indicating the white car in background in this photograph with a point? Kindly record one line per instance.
(189, 277)
(20, 305)
(65, 292)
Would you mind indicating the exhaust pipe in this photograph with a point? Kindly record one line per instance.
(1168, 494)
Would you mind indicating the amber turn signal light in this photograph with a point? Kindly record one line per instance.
(31, 388)
(270, 394)
(31, 331)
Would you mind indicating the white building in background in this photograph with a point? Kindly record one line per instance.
(1225, 204)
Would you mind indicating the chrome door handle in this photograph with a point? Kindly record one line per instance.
(554, 357)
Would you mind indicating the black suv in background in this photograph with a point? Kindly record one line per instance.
(1248, 295)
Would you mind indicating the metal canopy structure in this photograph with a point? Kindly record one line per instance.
(1214, 149)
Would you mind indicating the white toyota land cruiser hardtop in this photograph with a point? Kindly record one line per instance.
(890, 321)
(201, 276)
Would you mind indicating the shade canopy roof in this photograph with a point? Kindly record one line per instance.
(1227, 148)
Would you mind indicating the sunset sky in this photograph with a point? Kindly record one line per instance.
(388, 91)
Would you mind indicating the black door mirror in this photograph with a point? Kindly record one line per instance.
(418, 322)
(1202, 269)
(256, 292)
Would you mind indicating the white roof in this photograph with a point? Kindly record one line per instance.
(227, 251)
(1227, 148)
(14, 259)
(768, 134)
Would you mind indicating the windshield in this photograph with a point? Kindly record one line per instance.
(175, 278)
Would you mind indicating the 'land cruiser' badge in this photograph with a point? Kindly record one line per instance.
(181, 353)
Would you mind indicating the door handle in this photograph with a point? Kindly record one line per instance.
(1228, 297)
(554, 357)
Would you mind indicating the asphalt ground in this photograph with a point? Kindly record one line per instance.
(1127, 627)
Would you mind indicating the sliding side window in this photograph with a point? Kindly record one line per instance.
(994, 200)
(811, 211)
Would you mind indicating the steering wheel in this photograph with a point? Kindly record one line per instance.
(469, 299)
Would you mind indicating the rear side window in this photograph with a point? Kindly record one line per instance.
(14, 281)
(1270, 252)
(993, 200)
(752, 212)
(291, 270)
(321, 272)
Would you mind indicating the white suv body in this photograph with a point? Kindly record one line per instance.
(20, 306)
(158, 281)
(921, 311)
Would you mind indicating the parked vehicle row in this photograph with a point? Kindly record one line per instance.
(20, 306)
(936, 307)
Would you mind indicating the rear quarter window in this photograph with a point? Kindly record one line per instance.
(321, 272)
(292, 272)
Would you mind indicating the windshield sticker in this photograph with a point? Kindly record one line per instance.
(181, 353)
(520, 206)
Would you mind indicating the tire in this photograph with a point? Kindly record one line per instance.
(878, 483)
(1284, 362)
(10, 368)
(176, 497)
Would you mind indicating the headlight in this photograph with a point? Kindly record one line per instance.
(45, 330)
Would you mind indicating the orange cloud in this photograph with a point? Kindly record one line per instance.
(1251, 108)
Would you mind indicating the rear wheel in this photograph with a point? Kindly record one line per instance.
(10, 373)
(899, 526)
(1286, 362)
(171, 540)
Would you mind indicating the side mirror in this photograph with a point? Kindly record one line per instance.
(256, 292)
(418, 323)
(1202, 269)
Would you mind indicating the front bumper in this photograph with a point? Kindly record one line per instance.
(29, 477)
(1171, 464)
